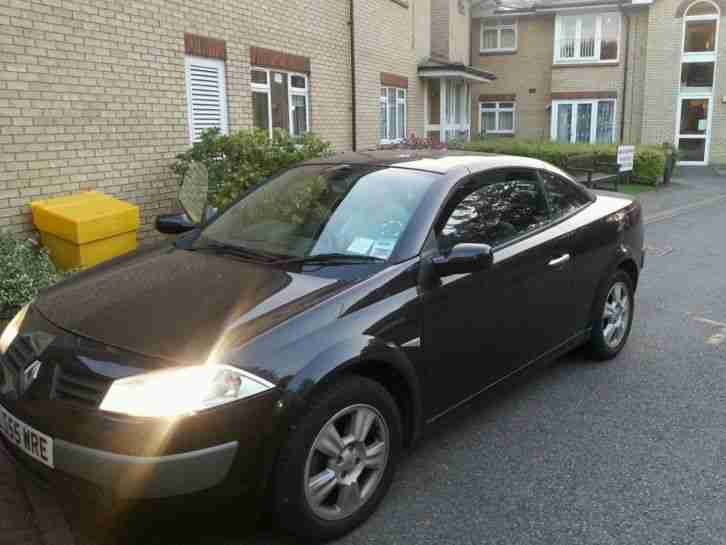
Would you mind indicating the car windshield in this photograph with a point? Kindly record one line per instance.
(314, 210)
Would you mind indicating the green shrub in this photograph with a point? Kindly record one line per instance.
(649, 161)
(241, 160)
(25, 270)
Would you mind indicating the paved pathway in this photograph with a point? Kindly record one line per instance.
(691, 185)
(16, 517)
(28, 514)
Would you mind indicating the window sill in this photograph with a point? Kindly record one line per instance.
(491, 52)
(696, 90)
(584, 64)
(498, 133)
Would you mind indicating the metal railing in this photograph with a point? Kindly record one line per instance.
(572, 48)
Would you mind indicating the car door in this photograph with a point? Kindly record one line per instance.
(482, 326)
(565, 201)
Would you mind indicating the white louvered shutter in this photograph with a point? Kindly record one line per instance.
(206, 95)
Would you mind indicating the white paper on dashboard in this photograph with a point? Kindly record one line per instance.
(383, 248)
(361, 246)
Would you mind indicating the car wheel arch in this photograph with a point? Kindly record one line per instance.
(631, 268)
(626, 263)
(377, 361)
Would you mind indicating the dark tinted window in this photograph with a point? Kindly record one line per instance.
(495, 208)
(564, 196)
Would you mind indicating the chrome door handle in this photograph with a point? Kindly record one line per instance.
(559, 260)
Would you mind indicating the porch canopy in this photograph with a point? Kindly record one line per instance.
(447, 98)
(438, 69)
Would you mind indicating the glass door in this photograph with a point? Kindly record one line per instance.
(584, 123)
(456, 110)
(693, 129)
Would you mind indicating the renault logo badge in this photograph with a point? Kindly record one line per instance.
(30, 374)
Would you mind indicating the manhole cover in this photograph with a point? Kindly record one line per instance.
(658, 252)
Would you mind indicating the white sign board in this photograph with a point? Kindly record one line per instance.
(626, 155)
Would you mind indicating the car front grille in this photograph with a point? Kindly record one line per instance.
(81, 388)
(20, 354)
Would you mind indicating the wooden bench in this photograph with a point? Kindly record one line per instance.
(600, 172)
(595, 171)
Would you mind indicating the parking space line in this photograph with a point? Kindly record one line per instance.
(680, 210)
(717, 338)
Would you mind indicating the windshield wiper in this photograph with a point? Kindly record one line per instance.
(330, 259)
(237, 251)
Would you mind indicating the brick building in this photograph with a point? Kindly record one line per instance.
(636, 71)
(101, 94)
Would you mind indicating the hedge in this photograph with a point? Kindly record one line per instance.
(649, 163)
(25, 270)
(241, 160)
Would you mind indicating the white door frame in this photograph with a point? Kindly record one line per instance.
(443, 127)
(684, 93)
(706, 137)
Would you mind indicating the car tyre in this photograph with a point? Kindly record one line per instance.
(615, 307)
(312, 461)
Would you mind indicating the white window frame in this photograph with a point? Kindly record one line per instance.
(399, 102)
(593, 122)
(497, 110)
(498, 25)
(696, 93)
(211, 63)
(291, 91)
(577, 58)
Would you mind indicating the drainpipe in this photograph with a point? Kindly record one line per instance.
(354, 106)
(625, 72)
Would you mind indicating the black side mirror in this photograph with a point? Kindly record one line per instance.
(174, 224)
(463, 259)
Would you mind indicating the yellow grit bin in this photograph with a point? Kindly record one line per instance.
(83, 230)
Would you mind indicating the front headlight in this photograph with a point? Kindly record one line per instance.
(12, 329)
(182, 391)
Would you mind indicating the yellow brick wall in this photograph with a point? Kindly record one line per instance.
(92, 92)
(717, 148)
(459, 31)
(662, 81)
(528, 68)
(440, 14)
(384, 43)
(635, 84)
(421, 13)
(531, 68)
(662, 73)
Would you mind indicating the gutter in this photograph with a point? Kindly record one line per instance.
(626, 67)
(354, 104)
(574, 5)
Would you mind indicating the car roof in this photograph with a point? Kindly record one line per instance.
(436, 161)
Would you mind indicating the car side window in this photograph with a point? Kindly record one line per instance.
(494, 208)
(563, 196)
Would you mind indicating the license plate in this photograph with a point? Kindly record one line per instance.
(33, 443)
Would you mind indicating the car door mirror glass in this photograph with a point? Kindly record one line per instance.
(464, 258)
(194, 192)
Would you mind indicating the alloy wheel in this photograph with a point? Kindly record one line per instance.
(346, 462)
(616, 315)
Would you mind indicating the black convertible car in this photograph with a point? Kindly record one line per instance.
(292, 345)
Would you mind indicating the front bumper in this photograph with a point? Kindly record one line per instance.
(136, 477)
(220, 452)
